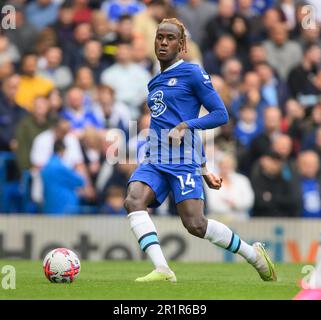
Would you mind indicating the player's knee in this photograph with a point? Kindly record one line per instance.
(133, 203)
(196, 227)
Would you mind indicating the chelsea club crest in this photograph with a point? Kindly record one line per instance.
(171, 82)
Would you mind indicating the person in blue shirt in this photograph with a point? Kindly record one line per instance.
(42, 13)
(175, 157)
(60, 184)
(309, 184)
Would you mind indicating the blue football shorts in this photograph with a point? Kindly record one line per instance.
(184, 181)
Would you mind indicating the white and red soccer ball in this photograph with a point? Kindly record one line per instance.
(61, 265)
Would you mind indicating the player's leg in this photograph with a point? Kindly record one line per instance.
(140, 195)
(191, 213)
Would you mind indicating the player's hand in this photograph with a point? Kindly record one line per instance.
(176, 134)
(212, 181)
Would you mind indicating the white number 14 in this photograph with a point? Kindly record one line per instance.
(189, 181)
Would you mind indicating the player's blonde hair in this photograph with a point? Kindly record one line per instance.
(181, 28)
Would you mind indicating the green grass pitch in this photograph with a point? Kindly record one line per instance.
(114, 280)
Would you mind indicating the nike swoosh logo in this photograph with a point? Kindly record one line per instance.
(186, 192)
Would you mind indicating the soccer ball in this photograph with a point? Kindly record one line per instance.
(61, 265)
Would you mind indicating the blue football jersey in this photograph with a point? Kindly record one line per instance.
(176, 95)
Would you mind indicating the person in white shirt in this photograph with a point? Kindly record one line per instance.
(42, 147)
(42, 150)
(128, 79)
(236, 196)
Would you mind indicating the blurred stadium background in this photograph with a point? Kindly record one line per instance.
(74, 70)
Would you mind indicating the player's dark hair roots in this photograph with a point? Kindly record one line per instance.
(181, 28)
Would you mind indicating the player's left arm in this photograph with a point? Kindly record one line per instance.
(209, 98)
(217, 116)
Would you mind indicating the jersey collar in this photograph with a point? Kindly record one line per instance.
(174, 65)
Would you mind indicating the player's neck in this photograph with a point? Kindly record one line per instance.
(164, 65)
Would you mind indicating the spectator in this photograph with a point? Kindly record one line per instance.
(246, 128)
(193, 53)
(293, 123)
(257, 54)
(312, 122)
(224, 49)
(219, 24)
(24, 35)
(31, 84)
(128, 79)
(102, 29)
(312, 141)
(93, 59)
(195, 14)
(274, 196)
(246, 8)
(55, 103)
(232, 76)
(236, 196)
(42, 13)
(251, 95)
(124, 32)
(85, 81)
(73, 50)
(302, 77)
(65, 23)
(119, 177)
(271, 17)
(279, 48)
(140, 55)
(28, 128)
(309, 184)
(42, 146)
(262, 143)
(46, 39)
(111, 113)
(8, 50)
(76, 113)
(82, 11)
(224, 140)
(60, 182)
(146, 23)
(283, 146)
(92, 144)
(10, 112)
(6, 68)
(116, 8)
(240, 30)
(53, 70)
(137, 145)
(274, 91)
(114, 201)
